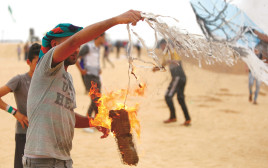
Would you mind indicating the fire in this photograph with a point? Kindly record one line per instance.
(115, 101)
(140, 91)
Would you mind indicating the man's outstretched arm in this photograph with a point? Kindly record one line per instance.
(261, 36)
(85, 122)
(69, 46)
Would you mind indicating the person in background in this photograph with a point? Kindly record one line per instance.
(176, 85)
(90, 53)
(138, 46)
(81, 67)
(106, 55)
(118, 45)
(26, 50)
(19, 85)
(18, 51)
(252, 79)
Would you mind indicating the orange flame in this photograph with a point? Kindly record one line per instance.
(114, 101)
(140, 91)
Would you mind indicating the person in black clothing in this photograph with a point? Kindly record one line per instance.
(106, 54)
(176, 85)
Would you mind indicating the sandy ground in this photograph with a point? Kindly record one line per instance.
(226, 132)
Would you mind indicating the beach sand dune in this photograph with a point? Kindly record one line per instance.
(226, 130)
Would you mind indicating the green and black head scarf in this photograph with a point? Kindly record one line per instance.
(61, 30)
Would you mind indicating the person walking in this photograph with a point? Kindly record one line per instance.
(18, 51)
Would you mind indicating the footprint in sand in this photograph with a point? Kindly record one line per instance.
(203, 105)
(227, 94)
(224, 90)
(262, 93)
(229, 111)
(210, 98)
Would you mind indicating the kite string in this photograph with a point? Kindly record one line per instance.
(130, 60)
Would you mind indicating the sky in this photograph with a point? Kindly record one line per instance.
(45, 15)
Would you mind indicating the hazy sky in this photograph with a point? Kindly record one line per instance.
(44, 15)
(257, 10)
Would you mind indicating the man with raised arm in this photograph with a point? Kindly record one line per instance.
(51, 98)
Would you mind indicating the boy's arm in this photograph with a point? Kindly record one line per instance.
(3, 91)
(83, 51)
(82, 71)
(20, 117)
(163, 61)
(85, 122)
(69, 46)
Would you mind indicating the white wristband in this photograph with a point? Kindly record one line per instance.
(7, 107)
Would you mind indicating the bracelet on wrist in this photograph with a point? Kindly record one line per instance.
(11, 109)
(15, 112)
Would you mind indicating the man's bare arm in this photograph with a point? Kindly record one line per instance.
(66, 48)
(261, 36)
(84, 122)
(81, 121)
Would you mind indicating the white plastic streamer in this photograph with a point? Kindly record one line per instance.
(192, 45)
(258, 68)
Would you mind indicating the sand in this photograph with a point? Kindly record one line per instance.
(227, 130)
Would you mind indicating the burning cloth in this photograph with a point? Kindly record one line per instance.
(120, 127)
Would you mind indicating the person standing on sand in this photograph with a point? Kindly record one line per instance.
(26, 50)
(81, 67)
(19, 85)
(118, 45)
(261, 51)
(138, 46)
(19, 51)
(251, 80)
(51, 98)
(176, 85)
(90, 53)
(106, 54)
